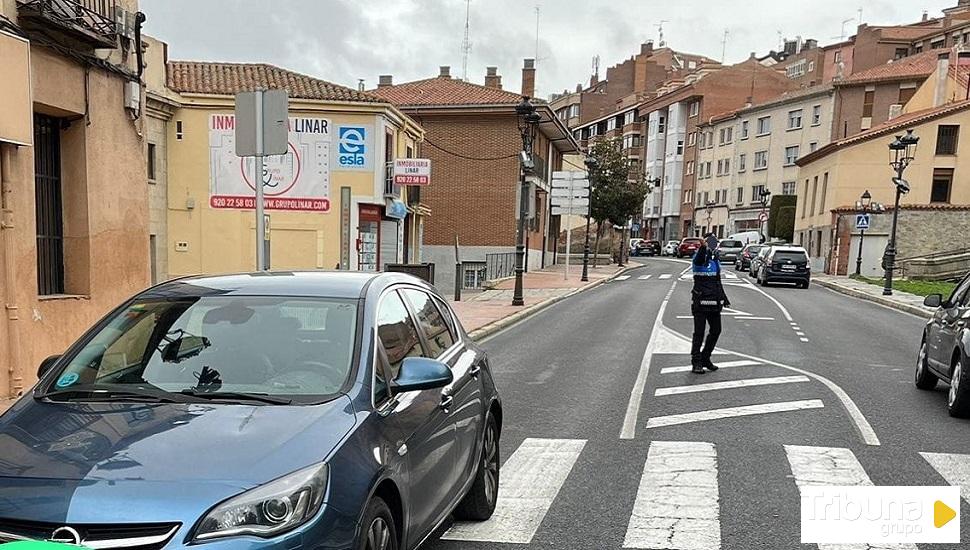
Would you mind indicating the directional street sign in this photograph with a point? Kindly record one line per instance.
(563, 211)
(573, 184)
(573, 202)
(566, 192)
(862, 221)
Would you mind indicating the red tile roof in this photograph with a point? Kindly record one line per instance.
(897, 124)
(920, 65)
(231, 78)
(961, 75)
(444, 91)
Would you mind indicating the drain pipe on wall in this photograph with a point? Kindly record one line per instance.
(11, 316)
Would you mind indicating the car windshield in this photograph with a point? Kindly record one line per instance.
(297, 347)
(754, 249)
(731, 244)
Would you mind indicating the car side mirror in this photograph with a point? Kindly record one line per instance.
(46, 365)
(421, 373)
(933, 300)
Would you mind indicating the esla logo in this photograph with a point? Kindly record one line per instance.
(352, 146)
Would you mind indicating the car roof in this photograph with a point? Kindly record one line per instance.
(786, 248)
(329, 284)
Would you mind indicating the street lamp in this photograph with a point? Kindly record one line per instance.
(591, 164)
(764, 195)
(865, 206)
(527, 120)
(709, 206)
(902, 151)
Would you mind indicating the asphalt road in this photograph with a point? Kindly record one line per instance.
(609, 443)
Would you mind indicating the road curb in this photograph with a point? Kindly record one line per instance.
(496, 326)
(848, 291)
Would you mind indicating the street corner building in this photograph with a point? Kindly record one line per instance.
(74, 237)
(331, 201)
(936, 209)
(473, 140)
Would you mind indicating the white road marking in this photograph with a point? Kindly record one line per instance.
(733, 412)
(784, 311)
(804, 339)
(629, 429)
(755, 318)
(735, 312)
(726, 365)
(677, 500)
(664, 276)
(955, 469)
(832, 466)
(799, 333)
(644, 277)
(622, 278)
(730, 384)
(531, 478)
(865, 429)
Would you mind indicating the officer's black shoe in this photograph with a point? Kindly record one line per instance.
(697, 367)
(708, 364)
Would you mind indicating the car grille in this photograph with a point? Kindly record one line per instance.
(141, 536)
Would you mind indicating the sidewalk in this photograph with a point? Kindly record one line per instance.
(489, 311)
(903, 301)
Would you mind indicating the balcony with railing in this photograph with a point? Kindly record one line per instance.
(87, 22)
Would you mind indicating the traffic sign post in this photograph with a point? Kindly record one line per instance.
(261, 129)
(862, 221)
(569, 196)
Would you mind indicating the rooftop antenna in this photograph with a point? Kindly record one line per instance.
(596, 66)
(360, 84)
(860, 16)
(466, 45)
(781, 42)
(842, 36)
(660, 31)
(537, 35)
(724, 42)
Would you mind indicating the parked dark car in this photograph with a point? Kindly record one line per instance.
(785, 264)
(743, 261)
(270, 410)
(943, 353)
(688, 246)
(728, 250)
(648, 248)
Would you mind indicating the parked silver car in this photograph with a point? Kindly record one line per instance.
(729, 249)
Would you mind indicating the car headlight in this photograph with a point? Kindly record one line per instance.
(270, 509)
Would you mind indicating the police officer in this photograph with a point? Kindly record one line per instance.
(707, 300)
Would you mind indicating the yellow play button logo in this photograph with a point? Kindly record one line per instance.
(942, 514)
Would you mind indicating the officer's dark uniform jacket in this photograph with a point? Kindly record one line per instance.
(708, 293)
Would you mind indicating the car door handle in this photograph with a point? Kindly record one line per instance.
(446, 402)
(475, 370)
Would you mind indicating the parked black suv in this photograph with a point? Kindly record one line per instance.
(785, 264)
(648, 248)
(943, 351)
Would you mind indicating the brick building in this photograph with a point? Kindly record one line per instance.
(473, 141)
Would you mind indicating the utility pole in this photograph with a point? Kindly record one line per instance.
(466, 45)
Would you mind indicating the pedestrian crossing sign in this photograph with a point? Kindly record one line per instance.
(862, 221)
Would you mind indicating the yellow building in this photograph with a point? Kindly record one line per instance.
(834, 178)
(331, 199)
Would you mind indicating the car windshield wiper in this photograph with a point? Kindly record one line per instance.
(115, 394)
(236, 396)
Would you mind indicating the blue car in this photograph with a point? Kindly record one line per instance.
(271, 410)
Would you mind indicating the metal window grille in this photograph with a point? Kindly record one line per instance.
(946, 139)
(49, 205)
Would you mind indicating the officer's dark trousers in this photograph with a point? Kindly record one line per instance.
(702, 318)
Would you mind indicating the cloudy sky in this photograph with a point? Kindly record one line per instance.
(346, 40)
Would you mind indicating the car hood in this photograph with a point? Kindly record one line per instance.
(243, 446)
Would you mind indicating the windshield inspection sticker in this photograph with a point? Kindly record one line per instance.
(68, 379)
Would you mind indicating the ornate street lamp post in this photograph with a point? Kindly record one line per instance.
(764, 195)
(865, 206)
(902, 152)
(709, 207)
(528, 121)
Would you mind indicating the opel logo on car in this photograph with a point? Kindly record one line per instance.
(66, 535)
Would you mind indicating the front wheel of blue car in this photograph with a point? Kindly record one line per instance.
(479, 503)
(377, 530)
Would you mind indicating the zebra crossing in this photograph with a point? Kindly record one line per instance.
(728, 277)
(678, 497)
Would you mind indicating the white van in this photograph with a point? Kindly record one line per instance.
(746, 237)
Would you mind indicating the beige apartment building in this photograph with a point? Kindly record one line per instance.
(742, 153)
(74, 238)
